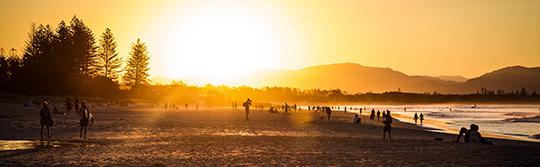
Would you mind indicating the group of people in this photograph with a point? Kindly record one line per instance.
(386, 120)
(46, 121)
(471, 135)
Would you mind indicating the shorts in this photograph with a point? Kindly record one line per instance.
(84, 122)
(387, 129)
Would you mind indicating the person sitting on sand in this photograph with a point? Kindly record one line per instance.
(372, 115)
(415, 118)
(46, 119)
(246, 106)
(472, 135)
(356, 119)
(378, 115)
(328, 112)
(84, 119)
(387, 125)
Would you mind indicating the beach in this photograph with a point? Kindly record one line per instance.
(144, 136)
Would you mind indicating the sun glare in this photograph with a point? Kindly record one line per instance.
(217, 42)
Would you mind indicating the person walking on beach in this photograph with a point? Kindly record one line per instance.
(69, 106)
(76, 104)
(387, 125)
(372, 115)
(415, 118)
(378, 115)
(246, 106)
(328, 112)
(421, 119)
(46, 119)
(85, 116)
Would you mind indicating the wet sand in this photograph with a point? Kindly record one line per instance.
(220, 136)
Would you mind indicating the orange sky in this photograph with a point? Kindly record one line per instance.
(220, 38)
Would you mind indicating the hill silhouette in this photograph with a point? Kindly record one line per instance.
(512, 78)
(355, 78)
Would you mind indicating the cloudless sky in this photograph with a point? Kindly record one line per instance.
(201, 37)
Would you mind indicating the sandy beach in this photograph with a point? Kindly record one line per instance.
(139, 136)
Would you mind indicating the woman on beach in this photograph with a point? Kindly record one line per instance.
(46, 118)
(387, 125)
(246, 106)
(84, 119)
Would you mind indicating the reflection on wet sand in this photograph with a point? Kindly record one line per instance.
(11, 145)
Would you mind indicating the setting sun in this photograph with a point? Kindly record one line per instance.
(219, 41)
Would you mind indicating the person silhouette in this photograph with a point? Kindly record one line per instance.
(372, 115)
(421, 119)
(246, 106)
(378, 115)
(84, 119)
(415, 118)
(328, 112)
(472, 135)
(45, 119)
(356, 119)
(387, 125)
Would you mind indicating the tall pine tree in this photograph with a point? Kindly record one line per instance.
(84, 47)
(108, 62)
(136, 72)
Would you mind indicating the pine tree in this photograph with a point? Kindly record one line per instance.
(84, 47)
(108, 61)
(136, 72)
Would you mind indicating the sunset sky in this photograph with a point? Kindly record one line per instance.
(222, 38)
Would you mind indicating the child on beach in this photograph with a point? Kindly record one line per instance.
(46, 119)
(387, 125)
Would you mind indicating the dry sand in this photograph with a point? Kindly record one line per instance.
(219, 136)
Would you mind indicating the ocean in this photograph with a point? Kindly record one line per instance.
(513, 121)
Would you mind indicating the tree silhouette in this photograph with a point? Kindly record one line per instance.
(108, 62)
(136, 72)
(84, 47)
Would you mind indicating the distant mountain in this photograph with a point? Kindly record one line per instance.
(354, 78)
(509, 79)
(456, 78)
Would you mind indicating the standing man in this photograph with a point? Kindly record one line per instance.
(246, 106)
(387, 125)
(46, 119)
(84, 115)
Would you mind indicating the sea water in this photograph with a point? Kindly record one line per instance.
(501, 120)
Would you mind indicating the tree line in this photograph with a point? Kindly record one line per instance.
(67, 60)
